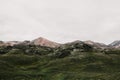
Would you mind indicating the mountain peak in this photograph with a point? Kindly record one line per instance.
(96, 44)
(89, 42)
(45, 42)
(42, 38)
(115, 44)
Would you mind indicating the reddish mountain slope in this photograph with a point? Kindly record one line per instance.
(45, 42)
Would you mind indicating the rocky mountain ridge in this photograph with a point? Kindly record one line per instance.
(39, 41)
(115, 44)
(45, 42)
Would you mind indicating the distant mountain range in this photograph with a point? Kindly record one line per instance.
(39, 41)
(45, 42)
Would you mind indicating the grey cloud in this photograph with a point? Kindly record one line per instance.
(60, 20)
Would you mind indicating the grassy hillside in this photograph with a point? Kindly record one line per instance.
(58, 64)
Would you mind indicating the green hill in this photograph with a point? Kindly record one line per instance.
(75, 61)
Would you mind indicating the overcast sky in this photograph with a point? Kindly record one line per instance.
(60, 20)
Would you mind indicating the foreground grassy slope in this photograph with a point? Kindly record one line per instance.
(91, 66)
(72, 62)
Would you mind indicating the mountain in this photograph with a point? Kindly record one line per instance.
(82, 46)
(115, 44)
(44, 42)
(72, 44)
(12, 43)
(9, 43)
(78, 60)
(26, 42)
(96, 44)
(39, 41)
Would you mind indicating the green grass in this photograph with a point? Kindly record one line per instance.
(91, 66)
